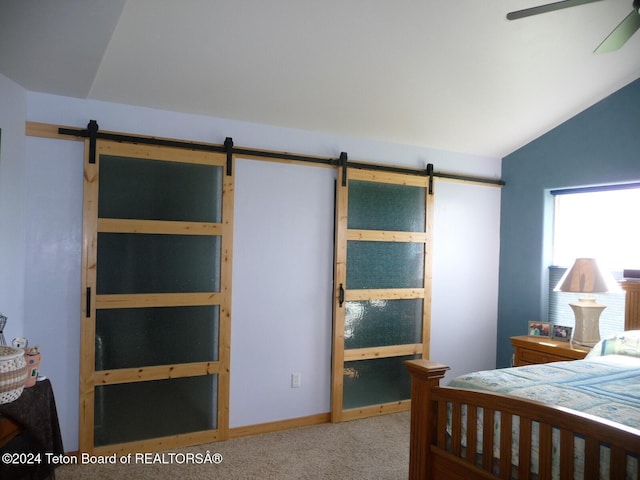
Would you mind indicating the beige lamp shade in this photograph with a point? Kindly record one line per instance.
(586, 277)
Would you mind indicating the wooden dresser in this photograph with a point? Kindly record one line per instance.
(529, 350)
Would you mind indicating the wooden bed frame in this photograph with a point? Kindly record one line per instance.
(436, 454)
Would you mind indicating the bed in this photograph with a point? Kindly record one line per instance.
(549, 421)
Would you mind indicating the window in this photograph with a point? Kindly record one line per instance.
(594, 222)
(597, 222)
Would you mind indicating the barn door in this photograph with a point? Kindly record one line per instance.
(156, 298)
(382, 296)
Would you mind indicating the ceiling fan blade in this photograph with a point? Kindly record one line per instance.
(620, 34)
(550, 7)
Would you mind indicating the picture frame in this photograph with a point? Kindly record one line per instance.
(561, 333)
(539, 329)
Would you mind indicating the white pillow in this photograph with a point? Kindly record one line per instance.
(625, 343)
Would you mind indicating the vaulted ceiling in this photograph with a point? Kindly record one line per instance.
(447, 74)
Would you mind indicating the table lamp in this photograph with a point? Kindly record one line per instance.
(586, 278)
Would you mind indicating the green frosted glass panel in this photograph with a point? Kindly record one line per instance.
(136, 411)
(139, 337)
(378, 323)
(385, 265)
(384, 206)
(138, 263)
(136, 188)
(372, 382)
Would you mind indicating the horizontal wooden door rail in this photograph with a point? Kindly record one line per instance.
(381, 409)
(161, 153)
(145, 300)
(396, 178)
(383, 294)
(382, 352)
(156, 372)
(386, 236)
(118, 225)
(160, 443)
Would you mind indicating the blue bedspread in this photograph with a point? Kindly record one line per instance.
(607, 387)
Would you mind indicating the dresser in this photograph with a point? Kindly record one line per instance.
(529, 350)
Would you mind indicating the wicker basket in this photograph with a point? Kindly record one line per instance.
(13, 373)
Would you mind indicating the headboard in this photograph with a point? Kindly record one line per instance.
(632, 305)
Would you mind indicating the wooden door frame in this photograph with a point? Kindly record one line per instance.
(342, 295)
(89, 377)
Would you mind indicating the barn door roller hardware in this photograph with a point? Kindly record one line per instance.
(228, 145)
(91, 132)
(344, 163)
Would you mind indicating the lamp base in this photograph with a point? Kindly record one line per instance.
(587, 328)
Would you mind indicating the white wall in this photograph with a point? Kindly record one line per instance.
(466, 229)
(282, 291)
(52, 273)
(466, 249)
(13, 101)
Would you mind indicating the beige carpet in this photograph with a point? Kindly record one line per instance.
(372, 448)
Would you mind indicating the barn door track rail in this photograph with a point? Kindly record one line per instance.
(93, 133)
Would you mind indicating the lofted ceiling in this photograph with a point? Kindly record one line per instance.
(447, 74)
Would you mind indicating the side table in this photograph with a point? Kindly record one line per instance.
(35, 413)
(529, 350)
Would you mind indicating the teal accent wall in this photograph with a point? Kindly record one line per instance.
(601, 145)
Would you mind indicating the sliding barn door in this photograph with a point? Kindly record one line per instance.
(382, 298)
(156, 298)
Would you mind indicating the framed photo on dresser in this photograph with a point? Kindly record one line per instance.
(539, 329)
(562, 333)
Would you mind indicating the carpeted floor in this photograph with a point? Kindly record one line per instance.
(373, 448)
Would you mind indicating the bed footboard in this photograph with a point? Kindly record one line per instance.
(518, 439)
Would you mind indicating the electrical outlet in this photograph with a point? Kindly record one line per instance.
(295, 380)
